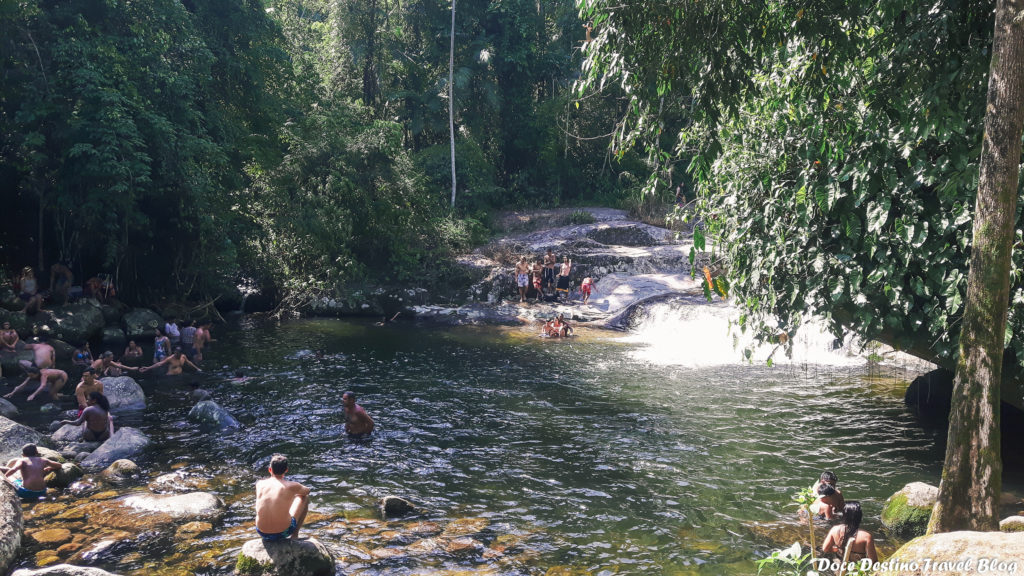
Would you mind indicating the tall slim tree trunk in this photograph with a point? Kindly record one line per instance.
(972, 474)
(451, 100)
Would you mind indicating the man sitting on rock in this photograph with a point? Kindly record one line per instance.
(281, 505)
(31, 485)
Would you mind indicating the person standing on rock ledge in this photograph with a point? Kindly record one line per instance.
(281, 505)
(31, 486)
(522, 277)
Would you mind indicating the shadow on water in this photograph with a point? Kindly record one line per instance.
(574, 453)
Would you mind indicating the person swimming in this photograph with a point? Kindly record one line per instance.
(862, 544)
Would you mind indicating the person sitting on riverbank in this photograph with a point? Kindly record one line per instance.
(175, 363)
(132, 351)
(32, 469)
(87, 386)
(97, 423)
(29, 291)
(830, 500)
(50, 379)
(82, 356)
(358, 423)
(9, 339)
(281, 505)
(105, 366)
(861, 542)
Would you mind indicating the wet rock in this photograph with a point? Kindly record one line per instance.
(105, 551)
(8, 410)
(179, 482)
(126, 443)
(906, 513)
(74, 323)
(46, 558)
(63, 570)
(1002, 553)
(83, 488)
(9, 301)
(192, 529)
(285, 558)
(121, 471)
(11, 524)
(61, 349)
(464, 527)
(113, 337)
(463, 546)
(112, 314)
(210, 414)
(66, 476)
(392, 506)
(67, 434)
(193, 506)
(124, 393)
(13, 436)
(50, 454)
(1012, 524)
(141, 323)
(13, 363)
(51, 536)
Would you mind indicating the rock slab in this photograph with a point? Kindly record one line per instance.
(63, 570)
(11, 524)
(209, 413)
(285, 558)
(126, 443)
(958, 554)
(193, 505)
(13, 436)
(124, 393)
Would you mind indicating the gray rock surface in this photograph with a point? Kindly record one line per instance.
(141, 323)
(190, 506)
(1001, 550)
(8, 410)
(13, 436)
(66, 476)
(285, 558)
(67, 434)
(121, 471)
(124, 393)
(73, 323)
(11, 524)
(114, 338)
(906, 513)
(126, 443)
(1012, 524)
(209, 413)
(63, 570)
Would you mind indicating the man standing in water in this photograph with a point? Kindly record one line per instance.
(33, 468)
(175, 362)
(281, 505)
(357, 422)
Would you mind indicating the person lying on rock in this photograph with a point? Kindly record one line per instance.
(49, 379)
(175, 363)
(31, 484)
(281, 505)
(89, 384)
(98, 423)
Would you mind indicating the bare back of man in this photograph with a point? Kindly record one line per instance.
(33, 472)
(44, 355)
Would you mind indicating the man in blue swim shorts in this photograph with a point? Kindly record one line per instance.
(31, 484)
(281, 505)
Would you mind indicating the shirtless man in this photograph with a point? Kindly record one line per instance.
(99, 425)
(203, 338)
(549, 269)
(175, 363)
(105, 365)
(522, 277)
(281, 505)
(31, 485)
(49, 379)
(44, 356)
(8, 338)
(357, 422)
(88, 385)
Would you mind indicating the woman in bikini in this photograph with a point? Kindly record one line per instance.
(862, 543)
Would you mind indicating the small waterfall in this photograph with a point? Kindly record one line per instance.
(246, 287)
(688, 331)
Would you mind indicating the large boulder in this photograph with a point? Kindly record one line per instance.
(61, 349)
(126, 443)
(67, 434)
(13, 436)
(13, 363)
(191, 506)
(285, 558)
(1012, 524)
(9, 301)
(19, 321)
(906, 513)
(67, 475)
(958, 554)
(124, 393)
(113, 338)
(210, 414)
(391, 506)
(7, 410)
(63, 570)
(74, 323)
(141, 323)
(11, 523)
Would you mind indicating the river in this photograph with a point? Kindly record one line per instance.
(590, 455)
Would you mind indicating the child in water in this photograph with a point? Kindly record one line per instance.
(830, 500)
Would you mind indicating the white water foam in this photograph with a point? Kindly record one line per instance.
(697, 335)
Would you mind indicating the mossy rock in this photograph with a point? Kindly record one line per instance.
(906, 513)
(307, 557)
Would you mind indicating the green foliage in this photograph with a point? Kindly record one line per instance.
(580, 217)
(835, 152)
(788, 562)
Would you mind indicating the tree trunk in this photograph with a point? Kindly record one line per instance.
(451, 100)
(972, 473)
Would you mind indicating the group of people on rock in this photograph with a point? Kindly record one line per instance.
(831, 505)
(61, 288)
(541, 279)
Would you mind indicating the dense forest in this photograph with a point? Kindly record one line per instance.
(185, 147)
